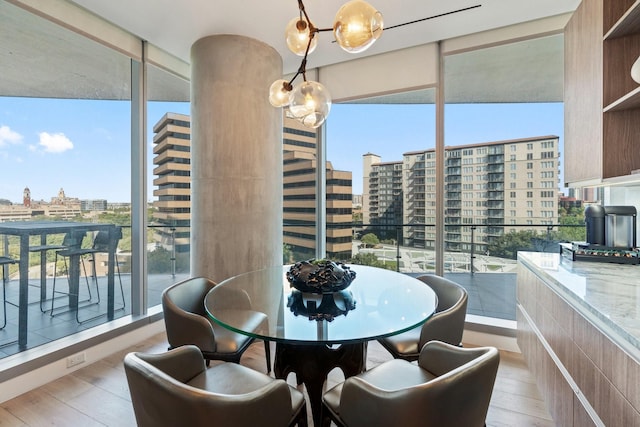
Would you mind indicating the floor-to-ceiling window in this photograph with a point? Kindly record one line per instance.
(70, 125)
(299, 181)
(504, 126)
(65, 137)
(503, 135)
(168, 181)
(375, 143)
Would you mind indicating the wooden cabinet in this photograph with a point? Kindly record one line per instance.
(584, 374)
(602, 102)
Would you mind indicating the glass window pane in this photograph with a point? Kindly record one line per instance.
(376, 141)
(504, 125)
(65, 134)
(299, 147)
(169, 181)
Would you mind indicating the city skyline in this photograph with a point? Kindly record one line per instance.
(89, 138)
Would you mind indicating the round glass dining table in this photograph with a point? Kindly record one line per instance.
(316, 333)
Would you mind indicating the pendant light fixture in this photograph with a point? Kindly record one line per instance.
(356, 27)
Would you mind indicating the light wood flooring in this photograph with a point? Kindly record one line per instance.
(97, 395)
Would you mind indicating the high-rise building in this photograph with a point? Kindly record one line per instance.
(93, 205)
(382, 192)
(172, 157)
(172, 149)
(299, 204)
(492, 188)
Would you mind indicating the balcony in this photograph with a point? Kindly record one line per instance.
(453, 171)
(495, 177)
(453, 195)
(495, 158)
(168, 262)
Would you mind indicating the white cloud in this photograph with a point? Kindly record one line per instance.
(7, 136)
(55, 143)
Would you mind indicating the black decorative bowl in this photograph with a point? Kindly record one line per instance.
(331, 305)
(320, 276)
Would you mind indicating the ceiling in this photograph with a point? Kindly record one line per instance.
(39, 58)
(175, 26)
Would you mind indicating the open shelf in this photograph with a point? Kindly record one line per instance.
(629, 23)
(628, 102)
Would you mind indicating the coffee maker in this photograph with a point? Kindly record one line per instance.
(611, 226)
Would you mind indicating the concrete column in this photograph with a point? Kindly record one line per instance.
(236, 157)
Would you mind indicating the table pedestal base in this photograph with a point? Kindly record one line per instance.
(312, 364)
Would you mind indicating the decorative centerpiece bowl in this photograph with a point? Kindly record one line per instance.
(330, 306)
(320, 276)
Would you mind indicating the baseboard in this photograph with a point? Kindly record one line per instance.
(483, 331)
(35, 378)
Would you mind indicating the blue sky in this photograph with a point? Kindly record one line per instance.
(83, 146)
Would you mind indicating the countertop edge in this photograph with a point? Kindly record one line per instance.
(624, 339)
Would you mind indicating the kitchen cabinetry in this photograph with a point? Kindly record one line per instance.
(578, 332)
(602, 102)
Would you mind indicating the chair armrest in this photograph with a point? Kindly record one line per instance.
(446, 326)
(182, 363)
(441, 358)
(231, 298)
(184, 327)
(364, 404)
(267, 405)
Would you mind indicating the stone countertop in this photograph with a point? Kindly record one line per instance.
(605, 293)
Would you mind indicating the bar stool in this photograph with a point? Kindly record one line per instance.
(72, 247)
(42, 250)
(4, 261)
(100, 244)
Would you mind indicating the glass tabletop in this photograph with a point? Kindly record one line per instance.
(378, 303)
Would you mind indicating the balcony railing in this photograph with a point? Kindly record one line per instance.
(481, 257)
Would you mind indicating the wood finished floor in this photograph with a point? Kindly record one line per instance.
(97, 395)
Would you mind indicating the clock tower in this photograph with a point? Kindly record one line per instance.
(26, 197)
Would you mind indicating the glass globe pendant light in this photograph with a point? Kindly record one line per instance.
(298, 36)
(279, 93)
(310, 103)
(357, 26)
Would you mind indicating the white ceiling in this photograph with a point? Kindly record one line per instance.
(175, 25)
(39, 58)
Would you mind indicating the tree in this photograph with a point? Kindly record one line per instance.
(287, 254)
(159, 261)
(574, 218)
(368, 258)
(370, 239)
(508, 245)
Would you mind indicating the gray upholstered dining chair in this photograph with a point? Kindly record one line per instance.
(187, 322)
(176, 389)
(446, 324)
(449, 386)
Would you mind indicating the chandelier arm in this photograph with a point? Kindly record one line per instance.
(303, 11)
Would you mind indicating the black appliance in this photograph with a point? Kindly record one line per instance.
(611, 226)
